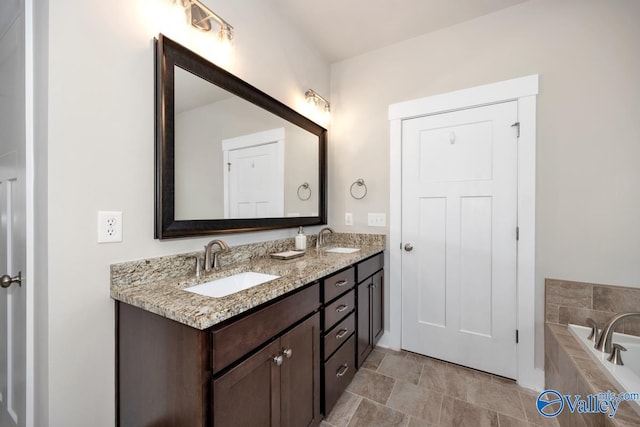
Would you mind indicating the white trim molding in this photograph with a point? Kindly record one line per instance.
(524, 91)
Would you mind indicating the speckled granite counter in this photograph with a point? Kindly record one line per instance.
(157, 284)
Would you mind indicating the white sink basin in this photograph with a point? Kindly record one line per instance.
(232, 284)
(342, 250)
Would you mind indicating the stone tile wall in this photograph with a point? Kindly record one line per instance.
(573, 302)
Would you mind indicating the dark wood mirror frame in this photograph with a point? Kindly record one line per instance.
(168, 54)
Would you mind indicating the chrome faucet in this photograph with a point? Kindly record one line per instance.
(321, 236)
(604, 341)
(209, 254)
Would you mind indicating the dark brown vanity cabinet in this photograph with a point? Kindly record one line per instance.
(277, 386)
(370, 292)
(339, 305)
(257, 369)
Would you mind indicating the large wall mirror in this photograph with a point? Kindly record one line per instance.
(229, 157)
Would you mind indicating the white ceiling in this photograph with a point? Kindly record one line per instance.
(345, 28)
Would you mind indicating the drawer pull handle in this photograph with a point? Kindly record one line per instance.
(278, 360)
(342, 283)
(342, 333)
(343, 370)
(288, 353)
(341, 308)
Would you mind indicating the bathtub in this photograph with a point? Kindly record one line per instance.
(626, 377)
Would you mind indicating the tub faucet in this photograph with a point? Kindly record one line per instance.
(604, 340)
(321, 236)
(210, 263)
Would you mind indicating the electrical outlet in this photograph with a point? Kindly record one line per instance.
(348, 219)
(109, 227)
(377, 220)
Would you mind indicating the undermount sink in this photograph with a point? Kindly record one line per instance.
(230, 285)
(342, 250)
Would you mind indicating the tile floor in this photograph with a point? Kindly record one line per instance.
(408, 390)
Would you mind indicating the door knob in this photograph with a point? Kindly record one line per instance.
(6, 280)
(408, 247)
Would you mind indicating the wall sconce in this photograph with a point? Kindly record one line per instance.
(312, 97)
(200, 16)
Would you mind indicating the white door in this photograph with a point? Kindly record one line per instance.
(459, 219)
(12, 214)
(254, 187)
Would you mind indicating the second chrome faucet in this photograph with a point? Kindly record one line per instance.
(211, 257)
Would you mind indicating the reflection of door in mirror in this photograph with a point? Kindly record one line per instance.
(205, 116)
(254, 178)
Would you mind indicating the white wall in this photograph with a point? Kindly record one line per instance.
(588, 146)
(101, 157)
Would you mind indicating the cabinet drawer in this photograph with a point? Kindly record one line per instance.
(338, 284)
(341, 333)
(338, 309)
(237, 338)
(369, 266)
(338, 373)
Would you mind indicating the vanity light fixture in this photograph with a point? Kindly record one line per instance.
(312, 97)
(200, 16)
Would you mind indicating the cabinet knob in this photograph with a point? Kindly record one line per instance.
(342, 333)
(278, 360)
(408, 247)
(342, 370)
(288, 353)
(341, 308)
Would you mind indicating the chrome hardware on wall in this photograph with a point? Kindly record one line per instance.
(6, 280)
(359, 183)
(304, 186)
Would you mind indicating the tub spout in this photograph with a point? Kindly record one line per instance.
(604, 342)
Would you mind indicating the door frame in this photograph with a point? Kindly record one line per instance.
(272, 136)
(523, 90)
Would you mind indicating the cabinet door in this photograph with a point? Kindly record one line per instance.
(364, 322)
(300, 374)
(249, 394)
(377, 309)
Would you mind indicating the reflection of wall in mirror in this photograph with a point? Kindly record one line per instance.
(199, 161)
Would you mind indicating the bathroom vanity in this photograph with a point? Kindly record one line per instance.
(278, 354)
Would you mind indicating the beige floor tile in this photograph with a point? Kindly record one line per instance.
(497, 397)
(373, 360)
(343, 409)
(401, 369)
(372, 385)
(416, 401)
(528, 398)
(371, 414)
(457, 413)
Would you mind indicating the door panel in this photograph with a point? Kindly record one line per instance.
(459, 213)
(12, 213)
(255, 384)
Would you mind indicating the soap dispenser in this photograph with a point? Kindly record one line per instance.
(301, 240)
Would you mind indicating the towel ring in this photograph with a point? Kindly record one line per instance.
(360, 183)
(304, 186)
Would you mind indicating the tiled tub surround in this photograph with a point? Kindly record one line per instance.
(568, 368)
(157, 284)
(573, 302)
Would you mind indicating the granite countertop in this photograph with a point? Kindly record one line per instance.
(166, 297)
